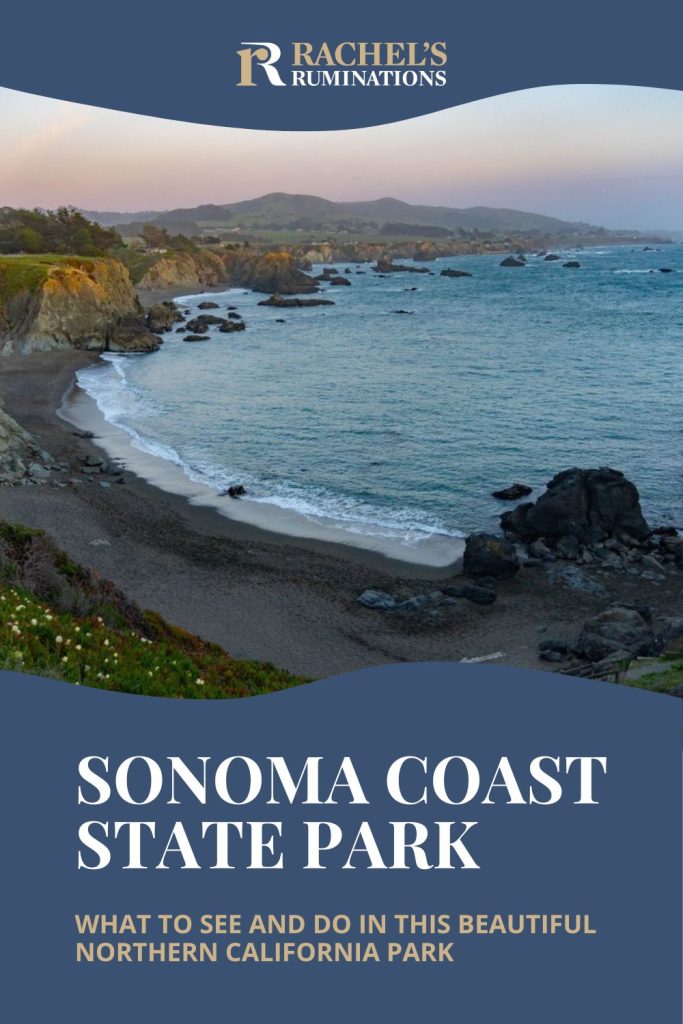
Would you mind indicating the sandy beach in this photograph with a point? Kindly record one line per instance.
(262, 595)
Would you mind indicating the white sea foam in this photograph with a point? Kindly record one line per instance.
(122, 405)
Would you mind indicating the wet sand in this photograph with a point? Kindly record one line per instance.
(263, 595)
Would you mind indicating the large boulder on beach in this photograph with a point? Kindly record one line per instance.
(587, 504)
(487, 555)
(617, 630)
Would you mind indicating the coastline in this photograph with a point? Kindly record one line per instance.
(257, 594)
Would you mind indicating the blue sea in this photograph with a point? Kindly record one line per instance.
(405, 423)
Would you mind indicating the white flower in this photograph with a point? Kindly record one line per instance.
(199, 682)
(58, 639)
(78, 647)
(106, 642)
(34, 622)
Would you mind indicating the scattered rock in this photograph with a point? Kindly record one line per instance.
(513, 261)
(618, 628)
(513, 493)
(389, 267)
(196, 337)
(572, 265)
(378, 599)
(229, 326)
(207, 305)
(551, 257)
(472, 592)
(234, 491)
(161, 317)
(454, 273)
(666, 270)
(404, 312)
(568, 547)
(280, 302)
(486, 555)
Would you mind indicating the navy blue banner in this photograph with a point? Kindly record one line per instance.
(603, 858)
(181, 62)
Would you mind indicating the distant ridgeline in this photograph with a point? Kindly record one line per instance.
(310, 215)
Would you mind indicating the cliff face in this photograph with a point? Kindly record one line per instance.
(49, 302)
(270, 272)
(184, 269)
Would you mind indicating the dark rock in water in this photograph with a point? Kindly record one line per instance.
(588, 504)
(229, 326)
(378, 599)
(618, 629)
(207, 305)
(87, 434)
(280, 302)
(513, 493)
(203, 322)
(130, 333)
(234, 316)
(234, 491)
(338, 280)
(280, 321)
(180, 330)
(196, 337)
(413, 289)
(405, 312)
(551, 257)
(512, 261)
(231, 308)
(388, 267)
(486, 555)
(454, 273)
(572, 265)
(666, 270)
(161, 317)
(347, 270)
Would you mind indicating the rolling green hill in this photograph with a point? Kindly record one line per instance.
(282, 210)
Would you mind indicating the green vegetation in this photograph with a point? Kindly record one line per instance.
(60, 620)
(666, 677)
(27, 273)
(54, 231)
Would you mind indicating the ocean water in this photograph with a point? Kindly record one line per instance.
(379, 421)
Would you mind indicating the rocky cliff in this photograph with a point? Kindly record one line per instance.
(184, 269)
(270, 272)
(49, 302)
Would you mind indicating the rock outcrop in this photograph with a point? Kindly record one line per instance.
(52, 302)
(513, 261)
(280, 302)
(21, 459)
(275, 273)
(490, 556)
(589, 505)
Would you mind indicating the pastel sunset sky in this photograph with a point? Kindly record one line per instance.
(611, 155)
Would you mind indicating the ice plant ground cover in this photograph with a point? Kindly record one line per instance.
(60, 620)
(36, 639)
